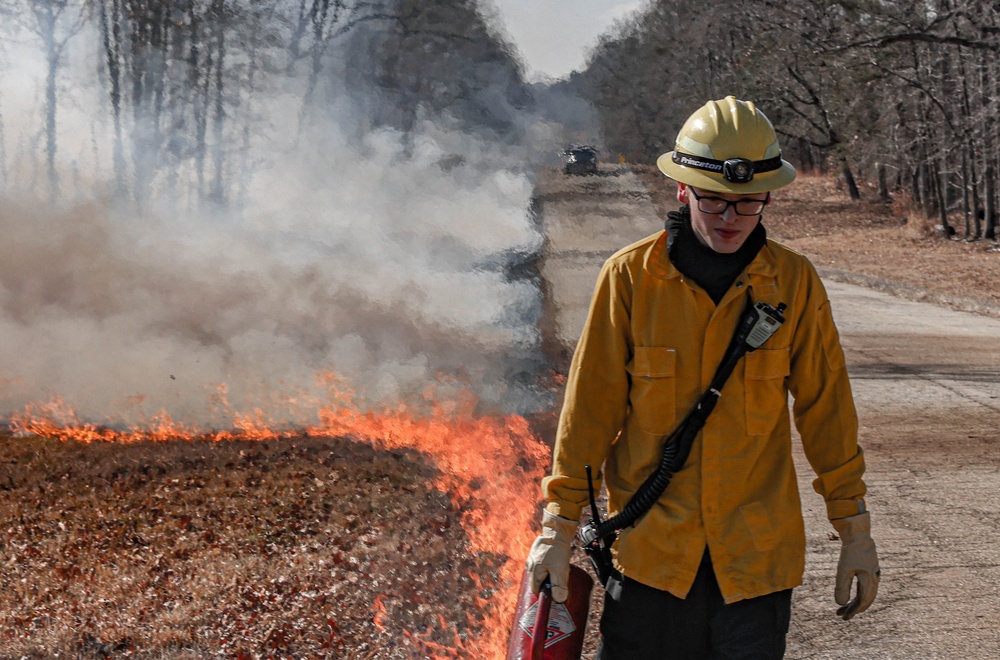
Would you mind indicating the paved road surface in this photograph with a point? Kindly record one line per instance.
(927, 385)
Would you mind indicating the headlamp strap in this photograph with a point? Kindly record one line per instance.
(735, 170)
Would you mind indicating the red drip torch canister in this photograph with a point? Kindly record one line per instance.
(561, 635)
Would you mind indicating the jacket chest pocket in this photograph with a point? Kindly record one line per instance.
(653, 391)
(766, 391)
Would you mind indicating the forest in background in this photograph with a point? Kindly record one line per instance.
(181, 88)
(898, 94)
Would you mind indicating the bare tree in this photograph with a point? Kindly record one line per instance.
(440, 58)
(183, 81)
(54, 23)
(111, 18)
(872, 87)
(174, 92)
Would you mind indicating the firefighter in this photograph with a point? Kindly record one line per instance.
(709, 570)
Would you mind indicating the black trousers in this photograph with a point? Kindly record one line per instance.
(640, 622)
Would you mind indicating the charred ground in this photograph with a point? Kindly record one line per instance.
(299, 548)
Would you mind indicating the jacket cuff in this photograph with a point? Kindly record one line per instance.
(844, 508)
(564, 510)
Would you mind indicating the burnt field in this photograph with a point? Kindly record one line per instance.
(308, 547)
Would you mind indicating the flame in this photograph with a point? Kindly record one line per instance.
(438, 651)
(380, 613)
(476, 457)
(487, 464)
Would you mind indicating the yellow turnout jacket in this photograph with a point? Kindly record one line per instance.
(651, 344)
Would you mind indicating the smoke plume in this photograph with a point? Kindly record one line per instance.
(387, 264)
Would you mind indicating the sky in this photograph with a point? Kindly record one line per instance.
(553, 36)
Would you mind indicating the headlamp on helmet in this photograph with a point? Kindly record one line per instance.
(738, 170)
(728, 146)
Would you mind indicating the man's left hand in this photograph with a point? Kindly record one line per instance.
(857, 559)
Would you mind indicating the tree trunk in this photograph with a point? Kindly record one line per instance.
(852, 185)
(200, 72)
(966, 213)
(939, 193)
(883, 184)
(990, 79)
(48, 27)
(925, 194)
(111, 34)
(319, 17)
(991, 200)
(968, 151)
(245, 167)
(806, 161)
(218, 195)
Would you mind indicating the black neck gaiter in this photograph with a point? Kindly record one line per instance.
(713, 271)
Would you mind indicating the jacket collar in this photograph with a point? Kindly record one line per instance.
(763, 267)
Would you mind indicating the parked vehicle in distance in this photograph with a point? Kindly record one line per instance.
(580, 159)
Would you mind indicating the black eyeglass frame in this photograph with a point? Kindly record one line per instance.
(735, 204)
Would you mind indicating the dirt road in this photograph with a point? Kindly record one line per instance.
(927, 385)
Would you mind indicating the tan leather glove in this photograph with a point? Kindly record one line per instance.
(549, 555)
(857, 558)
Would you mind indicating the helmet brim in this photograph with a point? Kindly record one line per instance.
(705, 180)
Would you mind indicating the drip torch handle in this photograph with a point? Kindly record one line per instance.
(540, 631)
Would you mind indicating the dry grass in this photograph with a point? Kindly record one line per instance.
(314, 548)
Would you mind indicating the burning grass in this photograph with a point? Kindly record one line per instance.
(387, 539)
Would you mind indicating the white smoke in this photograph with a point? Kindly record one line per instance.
(382, 260)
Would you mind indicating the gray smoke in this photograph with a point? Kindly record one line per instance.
(395, 263)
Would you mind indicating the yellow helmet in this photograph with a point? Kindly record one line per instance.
(728, 146)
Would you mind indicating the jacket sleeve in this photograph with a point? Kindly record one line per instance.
(824, 405)
(596, 400)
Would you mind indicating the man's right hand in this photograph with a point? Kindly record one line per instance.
(549, 556)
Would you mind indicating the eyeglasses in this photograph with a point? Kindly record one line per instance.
(718, 206)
